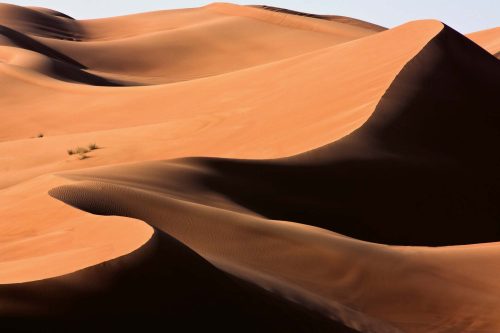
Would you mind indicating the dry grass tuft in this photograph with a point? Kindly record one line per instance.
(93, 146)
(81, 151)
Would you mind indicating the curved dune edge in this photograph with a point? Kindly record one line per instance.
(46, 231)
(162, 281)
(271, 254)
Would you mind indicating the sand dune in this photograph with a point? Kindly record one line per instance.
(192, 43)
(339, 152)
(489, 39)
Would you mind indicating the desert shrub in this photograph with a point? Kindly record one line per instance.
(81, 150)
(93, 146)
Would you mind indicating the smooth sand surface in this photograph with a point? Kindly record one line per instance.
(337, 153)
(489, 39)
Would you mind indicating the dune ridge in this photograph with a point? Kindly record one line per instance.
(337, 18)
(350, 185)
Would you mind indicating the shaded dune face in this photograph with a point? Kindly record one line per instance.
(40, 22)
(162, 283)
(55, 64)
(424, 157)
(14, 38)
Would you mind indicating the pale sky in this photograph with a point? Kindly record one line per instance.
(463, 15)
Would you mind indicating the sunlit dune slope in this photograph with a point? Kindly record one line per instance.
(488, 39)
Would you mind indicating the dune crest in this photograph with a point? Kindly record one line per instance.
(343, 19)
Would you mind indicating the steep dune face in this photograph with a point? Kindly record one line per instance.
(294, 237)
(39, 22)
(390, 155)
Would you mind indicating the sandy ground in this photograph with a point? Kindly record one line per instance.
(349, 179)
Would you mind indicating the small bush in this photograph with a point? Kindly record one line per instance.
(81, 150)
(93, 146)
(39, 135)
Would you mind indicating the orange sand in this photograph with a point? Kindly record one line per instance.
(381, 111)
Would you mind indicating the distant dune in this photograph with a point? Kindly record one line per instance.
(257, 169)
(488, 39)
